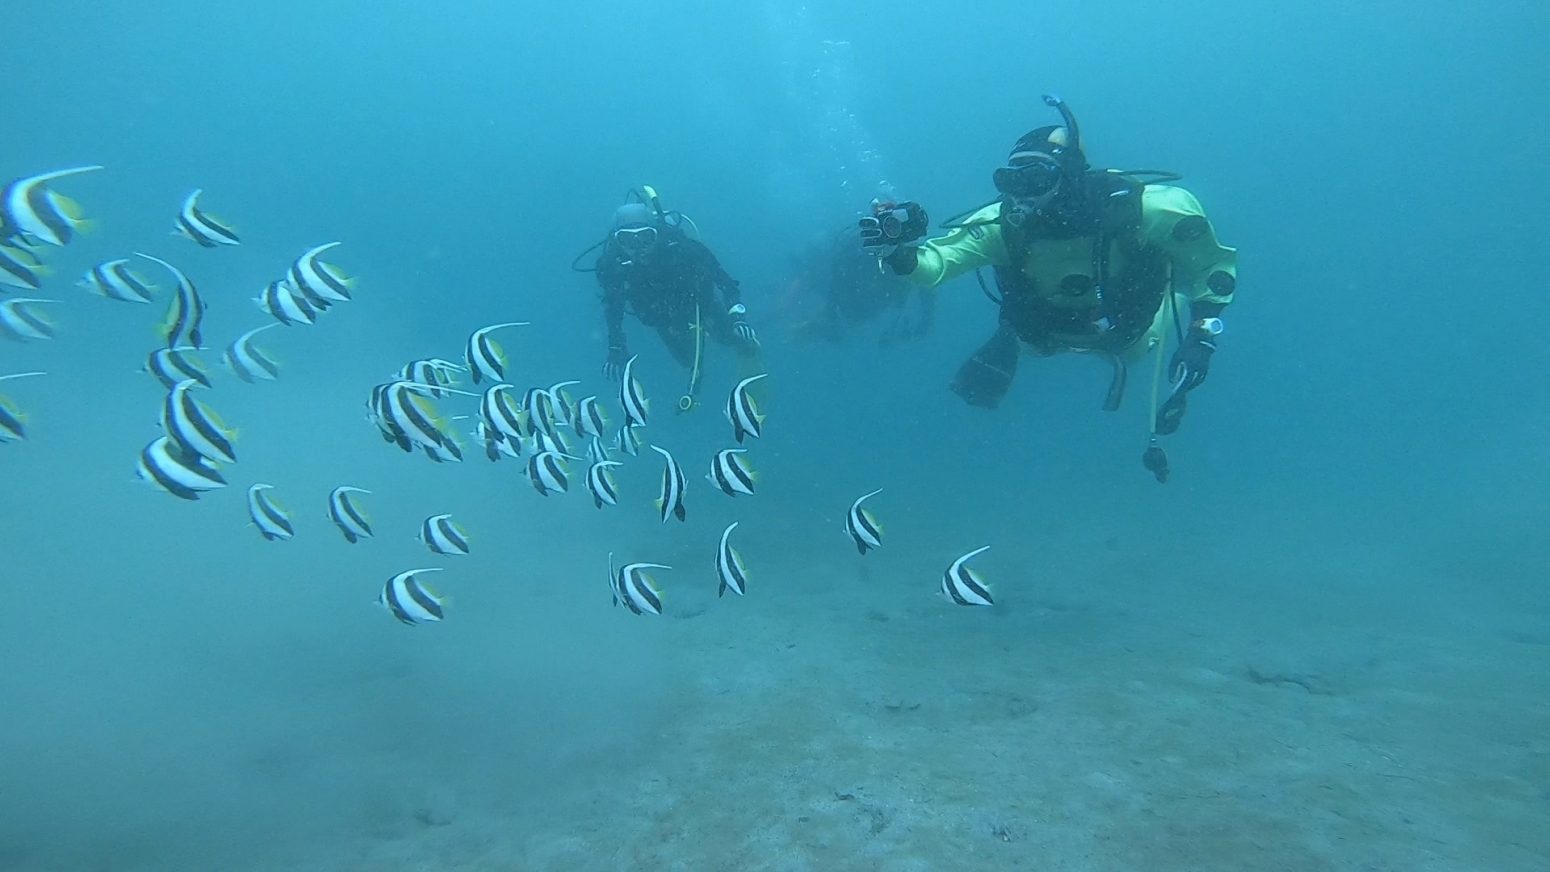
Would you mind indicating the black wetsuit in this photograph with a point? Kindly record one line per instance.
(858, 292)
(663, 290)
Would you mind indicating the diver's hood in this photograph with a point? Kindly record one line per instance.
(634, 215)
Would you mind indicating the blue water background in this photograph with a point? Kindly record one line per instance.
(1372, 438)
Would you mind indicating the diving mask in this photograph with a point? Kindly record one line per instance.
(636, 241)
(1029, 186)
(1036, 177)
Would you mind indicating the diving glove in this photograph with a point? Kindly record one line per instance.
(1192, 361)
(891, 225)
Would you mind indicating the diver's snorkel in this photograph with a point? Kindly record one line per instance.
(667, 219)
(647, 195)
(1073, 131)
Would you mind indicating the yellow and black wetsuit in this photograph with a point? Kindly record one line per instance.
(1068, 292)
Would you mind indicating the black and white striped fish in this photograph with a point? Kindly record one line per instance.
(628, 441)
(249, 362)
(605, 491)
(590, 419)
(322, 283)
(597, 452)
(502, 413)
(285, 304)
(546, 469)
(862, 526)
(539, 406)
(435, 373)
(730, 473)
(377, 413)
(442, 535)
(410, 600)
(20, 268)
(486, 359)
(963, 585)
(346, 515)
(172, 365)
(185, 314)
(13, 423)
(634, 588)
(743, 412)
(449, 451)
(202, 227)
(631, 398)
(29, 208)
(496, 445)
(114, 280)
(272, 521)
(194, 426)
(408, 417)
(671, 503)
(549, 440)
(729, 565)
(19, 321)
(183, 474)
(563, 407)
(511, 447)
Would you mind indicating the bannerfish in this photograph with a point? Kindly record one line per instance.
(202, 227)
(272, 521)
(862, 526)
(730, 570)
(345, 514)
(963, 585)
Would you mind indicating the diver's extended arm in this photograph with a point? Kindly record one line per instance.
(1204, 271)
(969, 245)
(731, 295)
(613, 319)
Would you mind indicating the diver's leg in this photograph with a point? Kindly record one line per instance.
(986, 376)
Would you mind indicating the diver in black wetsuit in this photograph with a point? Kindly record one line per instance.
(653, 266)
(837, 289)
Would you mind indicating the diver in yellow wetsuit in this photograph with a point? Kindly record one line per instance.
(1101, 261)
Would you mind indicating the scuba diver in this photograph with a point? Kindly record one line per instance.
(837, 289)
(654, 265)
(1088, 260)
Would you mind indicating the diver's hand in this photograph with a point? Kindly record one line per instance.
(891, 225)
(741, 328)
(613, 367)
(1192, 361)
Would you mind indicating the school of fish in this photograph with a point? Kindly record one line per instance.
(541, 427)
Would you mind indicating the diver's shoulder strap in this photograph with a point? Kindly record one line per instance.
(1122, 197)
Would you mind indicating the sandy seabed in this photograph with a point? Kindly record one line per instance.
(1126, 705)
(1189, 728)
